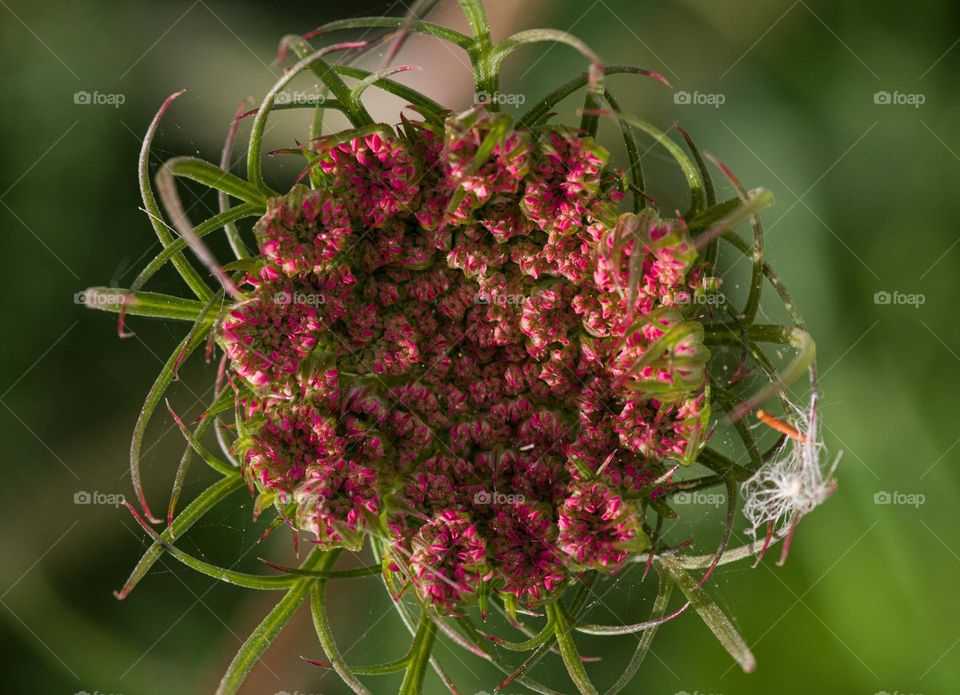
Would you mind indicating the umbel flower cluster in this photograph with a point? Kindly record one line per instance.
(439, 323)
(472, 345)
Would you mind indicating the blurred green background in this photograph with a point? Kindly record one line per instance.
(866, 204)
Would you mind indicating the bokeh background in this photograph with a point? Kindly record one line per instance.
(785, 93)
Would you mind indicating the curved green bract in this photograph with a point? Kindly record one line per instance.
(539, 111)
(191, 514)
(319, 611)
(635, 172)
(711, 614)
(269, 628)
(314, 61)
(427, 28)
(186, 271)
(138, 303)
(190, 343)
(643, 646)
(690, 172)
(206, 227)
(214, 177)
(392, 87)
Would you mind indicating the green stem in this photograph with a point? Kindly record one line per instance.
(419, 656)
(568, 649)
(325, 634)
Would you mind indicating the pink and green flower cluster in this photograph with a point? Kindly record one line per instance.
(453, 339)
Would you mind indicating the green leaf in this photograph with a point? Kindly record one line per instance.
(635, 172)
(756, 280)
(720, 464)
(370, 80)
(535, 641)
(751, 204)
(365, 571)
(270, 627)
(226, 158)
(215, 463)
(713, 248)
